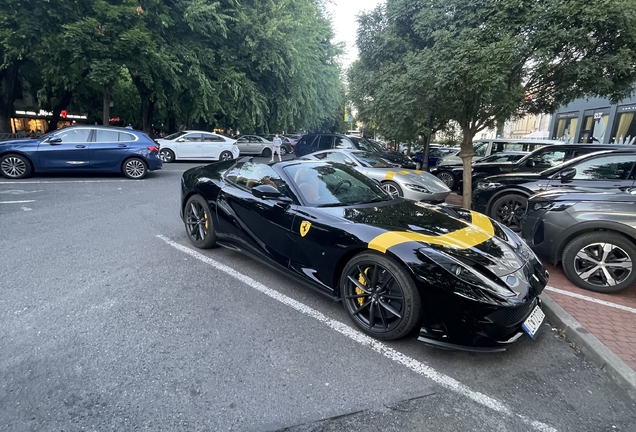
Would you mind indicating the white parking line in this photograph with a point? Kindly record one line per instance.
(414, 365)
(16, 202)
(65, 181)
(591, 299)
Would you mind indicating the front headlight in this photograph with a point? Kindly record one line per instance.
(488, 185)
(417, 188)
(551, 206)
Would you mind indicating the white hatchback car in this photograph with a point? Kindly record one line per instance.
(197, 145)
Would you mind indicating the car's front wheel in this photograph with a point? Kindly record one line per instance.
(509, 210)
(198, 222)
(135, 168)
(166, 155)
(380, 296)
(15, 166)
(447, 177)
(267, 152)
(392, 188)
(600, 261)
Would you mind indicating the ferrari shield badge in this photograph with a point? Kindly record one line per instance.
(304, 228)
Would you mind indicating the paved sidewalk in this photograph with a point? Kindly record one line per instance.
(611, 318)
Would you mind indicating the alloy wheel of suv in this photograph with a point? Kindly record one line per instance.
(600, 261)
(509, 209)
(447, 178)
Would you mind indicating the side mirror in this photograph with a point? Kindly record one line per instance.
(567, 174)
(530, 163)
(180, 140)
(54, 140)
(265, 191)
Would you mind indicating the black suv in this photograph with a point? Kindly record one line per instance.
(505, 197)
(324, 141)
(540, 159)
(593, 235)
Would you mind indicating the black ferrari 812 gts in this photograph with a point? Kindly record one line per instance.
(460, 278)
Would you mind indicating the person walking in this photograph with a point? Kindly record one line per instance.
(277, 143)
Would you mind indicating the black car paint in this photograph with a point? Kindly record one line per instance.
(548, 231)
(456, 313)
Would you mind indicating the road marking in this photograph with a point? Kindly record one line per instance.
(591, 299)
(17, 202)
(65, 181)
(416, 366)
(20, 192)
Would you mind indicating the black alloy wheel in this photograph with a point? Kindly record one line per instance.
(392, 188)
(198, 222)
(134, 168)
(447, 177)
(380, 296)
(166, 155)
(267, 152)
(600, 261)
(225, 156)
(509, 210)
(283, 150)
(15, 166)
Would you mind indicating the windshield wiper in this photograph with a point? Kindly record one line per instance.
(337, 204)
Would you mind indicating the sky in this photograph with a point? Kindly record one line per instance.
(343, 13)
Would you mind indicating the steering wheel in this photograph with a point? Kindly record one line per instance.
(340, 184)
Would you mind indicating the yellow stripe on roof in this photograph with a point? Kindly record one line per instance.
(478, 232)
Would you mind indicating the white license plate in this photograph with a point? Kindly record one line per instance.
(533, 322)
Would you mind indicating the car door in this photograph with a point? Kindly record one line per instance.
(109, 148)
(211, 146)
(261, 226)
(605, 172)
(67, 149)
(243, 144)
(189, 146)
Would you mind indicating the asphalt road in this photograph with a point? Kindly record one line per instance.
(109, 320)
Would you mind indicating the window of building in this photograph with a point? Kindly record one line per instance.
(624, 131)
(594, 126)
(565, 128)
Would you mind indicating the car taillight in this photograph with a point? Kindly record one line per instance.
(235, 143)
(153, 149)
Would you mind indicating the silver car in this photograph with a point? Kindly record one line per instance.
(411, 184)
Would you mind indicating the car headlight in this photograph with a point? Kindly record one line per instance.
(551, 206)
(417, 188)
(488, 185)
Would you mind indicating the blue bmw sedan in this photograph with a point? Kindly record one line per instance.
(81, 149)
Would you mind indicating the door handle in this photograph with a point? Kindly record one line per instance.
(122, 145)
(80, 146)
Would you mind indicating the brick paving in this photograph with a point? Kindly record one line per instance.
(614, 327)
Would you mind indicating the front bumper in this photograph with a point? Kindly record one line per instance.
(542, 231)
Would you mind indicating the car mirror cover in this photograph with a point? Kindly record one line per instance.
(265, 191)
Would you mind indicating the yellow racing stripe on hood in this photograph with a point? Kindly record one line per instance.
(389, 175)
(477, 232)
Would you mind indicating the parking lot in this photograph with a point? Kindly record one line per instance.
(110, 320)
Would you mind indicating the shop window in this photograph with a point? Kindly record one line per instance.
(594, 127)
(566, 129)
(624, 129)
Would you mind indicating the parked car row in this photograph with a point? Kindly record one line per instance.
(580, 212)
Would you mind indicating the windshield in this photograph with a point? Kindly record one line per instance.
(366, 145)
(370, 160)
(174, 136)
(331, 185)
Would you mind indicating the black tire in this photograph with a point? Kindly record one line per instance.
(393, 188)
(392, 308)
(447, 177)
(198, 222)
(167, 155)
(225, 156)
(618, 259)
(267, 152)
(283, 150)
(134, 168)
(508, 209)
(15, 166)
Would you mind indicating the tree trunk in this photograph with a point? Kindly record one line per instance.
(427, 144)
(106, 106)
(8, 82)
(147, 104)
(57, 110)
(466, 153)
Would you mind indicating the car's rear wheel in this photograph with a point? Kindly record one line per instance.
(15, 166)
(447, 177)
(134, 168)
(600, 261)
(225, 156)
(198, 222)
(380, 296)
(166, 155)
(393, 188)
(283, 150)
(267, 152)
(509, 209)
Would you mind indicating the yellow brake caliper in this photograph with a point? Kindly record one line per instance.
(361, 279)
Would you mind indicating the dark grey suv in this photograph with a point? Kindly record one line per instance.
(593, 235)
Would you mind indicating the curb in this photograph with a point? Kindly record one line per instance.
(590, 346)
